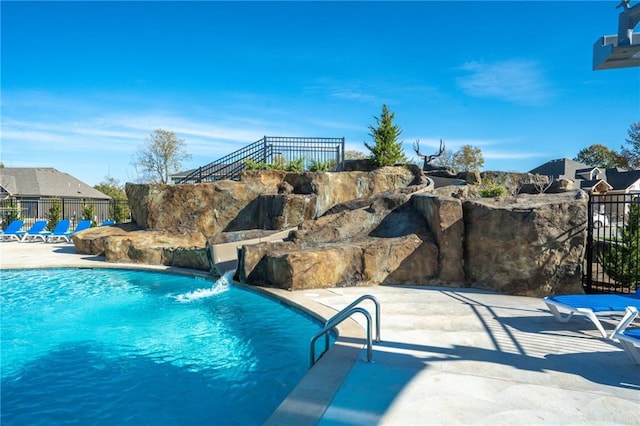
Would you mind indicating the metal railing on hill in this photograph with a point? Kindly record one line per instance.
(268, 149)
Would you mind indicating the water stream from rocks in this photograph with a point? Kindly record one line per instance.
(221, 285)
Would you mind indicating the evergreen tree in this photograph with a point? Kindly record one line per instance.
(387, 150)
(54, 214)
(89, 212)
(622, 260)
(10, 211)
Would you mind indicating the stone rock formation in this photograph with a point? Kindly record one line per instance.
(387, 226)
(385, 241)
(525, 245)
(262, 200)
(528, 245)
(209, 208)
(128, 244)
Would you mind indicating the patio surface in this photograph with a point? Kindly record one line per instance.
(448, 356)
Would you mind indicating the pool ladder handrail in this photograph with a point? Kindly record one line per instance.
(345, 313)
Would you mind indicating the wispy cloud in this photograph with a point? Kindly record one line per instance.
(453, 144)
(512, 155)
(352, 91)
(90, 139)
(516, 81)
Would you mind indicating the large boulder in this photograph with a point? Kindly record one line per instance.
(179, 249)
(126, 243)
(337, 188)
(385, 241)
(445, 220)
(91, 241)
(209, 208)
(529, 245)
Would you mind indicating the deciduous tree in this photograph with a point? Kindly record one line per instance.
(468, 158)
(632, 153)
(598, 155)
(446, 159)
(160, 156)
(118, 208)
(354, 155)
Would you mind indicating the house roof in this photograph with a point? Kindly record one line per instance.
(622, 179)
(562, 167)
(45, 182)
(595, 185)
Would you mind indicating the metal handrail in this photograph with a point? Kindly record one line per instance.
(337, 319)
(264, 150)
(375, 301)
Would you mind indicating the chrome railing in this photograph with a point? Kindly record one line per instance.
(344, 314)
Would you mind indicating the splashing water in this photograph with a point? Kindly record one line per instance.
(220, 286)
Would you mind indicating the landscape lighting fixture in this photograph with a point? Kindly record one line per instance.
(622, 50)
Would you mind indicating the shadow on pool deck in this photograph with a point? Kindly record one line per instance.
(463, 356)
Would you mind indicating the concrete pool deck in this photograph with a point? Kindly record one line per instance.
(448, 356)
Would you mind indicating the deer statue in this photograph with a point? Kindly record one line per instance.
(427, 167)
(428, 158)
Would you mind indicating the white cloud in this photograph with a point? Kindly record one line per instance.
(515, 81)
(453, 144)
(511, 155)
(344, 91)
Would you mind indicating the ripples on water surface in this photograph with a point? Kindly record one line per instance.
(130, 347)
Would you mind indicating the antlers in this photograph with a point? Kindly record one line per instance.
(428, 158)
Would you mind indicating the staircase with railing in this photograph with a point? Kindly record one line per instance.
(265, 150)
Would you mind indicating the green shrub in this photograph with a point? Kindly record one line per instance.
(119, 210)
(296, 166)
(279, 163)
(319, 166)
(10, 211)
(55, 214)
(493, 191)
(89, 212)
(250, 164)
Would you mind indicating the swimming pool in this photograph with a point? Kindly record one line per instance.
(104, 346)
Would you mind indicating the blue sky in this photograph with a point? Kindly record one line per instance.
(84, 83)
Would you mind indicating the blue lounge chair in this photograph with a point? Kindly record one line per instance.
(592, 305)
(12, 230)
(108, 222)
(37, 231)
(59, 231)
(81, 226)
(629, 338)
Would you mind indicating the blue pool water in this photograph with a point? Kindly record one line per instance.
(105, 347)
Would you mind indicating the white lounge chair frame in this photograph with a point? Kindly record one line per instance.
(555, 306)
(629, 343)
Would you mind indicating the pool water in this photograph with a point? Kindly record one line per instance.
(104, 347)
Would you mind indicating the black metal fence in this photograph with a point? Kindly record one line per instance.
(54, 209)
(613, 244)
(271, 149)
